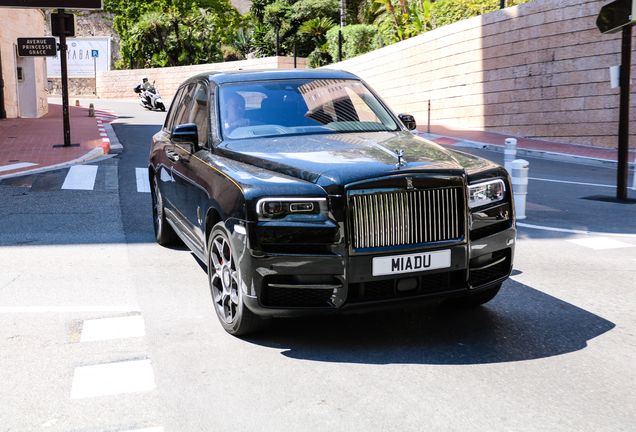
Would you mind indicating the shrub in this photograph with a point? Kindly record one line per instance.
(231, 53)
(356, 39)
(449, 11)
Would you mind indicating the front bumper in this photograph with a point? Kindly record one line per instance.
(299, 285)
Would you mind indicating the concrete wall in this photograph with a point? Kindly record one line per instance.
(119, 84)
(537, 70)
(15, 23)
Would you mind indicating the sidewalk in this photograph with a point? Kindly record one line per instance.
(26, 144)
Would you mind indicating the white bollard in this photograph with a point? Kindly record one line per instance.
(510, 153)
(519, 180)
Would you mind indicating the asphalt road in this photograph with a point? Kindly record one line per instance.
(553, 351)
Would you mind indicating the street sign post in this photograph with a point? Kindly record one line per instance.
(62, 19)
(95, 55)
(37, 47)
(615, 16)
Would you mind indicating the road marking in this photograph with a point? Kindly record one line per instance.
(16, 166)
(601, 243)
(81, 177)
(152, 429)
(143, 184)
(112, 379)
(66, 309)
(572, 231)
(113, 328)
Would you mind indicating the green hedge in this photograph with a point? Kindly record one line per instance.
(356, 39)
(449, 11)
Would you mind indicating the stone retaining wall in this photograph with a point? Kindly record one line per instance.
(537, 70)
(119, 84)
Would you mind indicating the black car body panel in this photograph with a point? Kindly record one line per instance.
(324, 217)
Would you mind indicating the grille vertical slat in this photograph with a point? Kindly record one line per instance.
(405, 217)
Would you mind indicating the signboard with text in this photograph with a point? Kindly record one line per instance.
(80, 60)
(54, 4)
(37, 47)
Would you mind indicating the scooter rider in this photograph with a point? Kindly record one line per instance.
(149, 95)
(148, 88)
(145, 83)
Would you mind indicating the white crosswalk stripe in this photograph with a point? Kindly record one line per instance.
(113, 328)
(81, 177)
(143, 184)
(601, 243)
(16, 166)
(112, 379)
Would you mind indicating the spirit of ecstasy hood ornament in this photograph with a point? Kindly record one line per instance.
(401, 161)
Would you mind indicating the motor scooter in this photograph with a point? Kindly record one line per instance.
(150, 99)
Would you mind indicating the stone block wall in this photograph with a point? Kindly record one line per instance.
(119, 84)
(537, 70)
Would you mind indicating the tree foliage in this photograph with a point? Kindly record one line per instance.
(450, 11)
(172, 32)
(288, 16)
(357, 39)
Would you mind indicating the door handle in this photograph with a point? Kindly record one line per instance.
(174, 157)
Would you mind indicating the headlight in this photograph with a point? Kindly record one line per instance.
(292, 209)
(486, 193)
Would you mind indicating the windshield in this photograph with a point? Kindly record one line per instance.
(270, 108)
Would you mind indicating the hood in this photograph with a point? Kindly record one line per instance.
(344, 158)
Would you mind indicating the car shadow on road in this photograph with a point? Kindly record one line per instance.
(521, 323)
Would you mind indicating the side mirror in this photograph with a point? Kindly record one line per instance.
(186, 134)
(408, 120)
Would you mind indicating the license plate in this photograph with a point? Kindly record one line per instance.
(417, 262)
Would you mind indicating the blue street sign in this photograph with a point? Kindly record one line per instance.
(94, 53)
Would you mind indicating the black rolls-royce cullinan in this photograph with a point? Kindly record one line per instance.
(305, 194)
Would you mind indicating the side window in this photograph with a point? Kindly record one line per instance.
(183, 109)
(170, 118)
(199, 113)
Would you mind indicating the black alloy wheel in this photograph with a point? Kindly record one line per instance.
(164, 233)
(225, 285)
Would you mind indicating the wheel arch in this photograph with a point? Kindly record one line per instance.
(212, 217)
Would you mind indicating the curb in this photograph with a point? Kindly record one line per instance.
(93, 154)
(105, 145)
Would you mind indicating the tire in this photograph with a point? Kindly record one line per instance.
(475, 299)
(164, 233)
(225, 280)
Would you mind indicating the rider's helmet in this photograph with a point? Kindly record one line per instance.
(144, 78)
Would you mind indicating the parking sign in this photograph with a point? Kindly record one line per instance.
(94, 53)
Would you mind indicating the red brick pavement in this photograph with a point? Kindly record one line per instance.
(27, 143)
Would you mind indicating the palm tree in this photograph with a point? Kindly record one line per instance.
(316, 27)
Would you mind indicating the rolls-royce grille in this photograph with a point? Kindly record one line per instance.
(406, 217)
